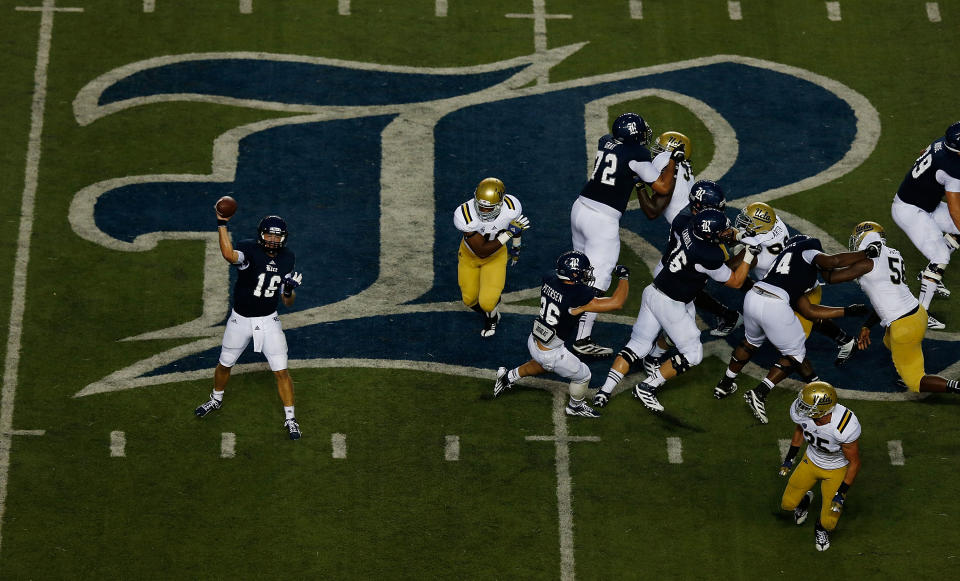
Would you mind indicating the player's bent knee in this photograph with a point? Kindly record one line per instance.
(682, 363)
(628, 355)
(829, 520)
(582, 374)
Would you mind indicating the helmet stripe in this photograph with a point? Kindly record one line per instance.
(844, 421)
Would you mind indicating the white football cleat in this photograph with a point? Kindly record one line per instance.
(934, 324)
(645, 393)
(756, 405)
(587, 347)
(502, 382)
(822, 539)
(803, 509)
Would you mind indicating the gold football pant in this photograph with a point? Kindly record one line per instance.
(903, 338)
(481, 279)
(805, 477)
(814, 296)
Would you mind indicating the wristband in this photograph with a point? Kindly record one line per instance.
(221, 222)
(844, 487)
(791, 453)
(503, 237)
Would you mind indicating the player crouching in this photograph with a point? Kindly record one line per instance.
(563, 298)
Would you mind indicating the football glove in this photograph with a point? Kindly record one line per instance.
(622, 272)
(514, 252)
(836, 505)
(856, 310)
(518, 225)
(785, 467)
(872, 250)
(678, 154)
(291, 281)
(751, 253)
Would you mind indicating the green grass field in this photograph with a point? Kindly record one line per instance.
(530, 494)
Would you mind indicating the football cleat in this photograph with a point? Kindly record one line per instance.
(207, 407)
(822, 539)
(587, 347)
(756, 405)
(490, 326)
(726, 326)
(934, 324)
(720, 392)
(846, 352)
(582, 410)
(645, 393)
(502, 382)
(800, 513)
(602, 399)
(941, 291)
(952, 241)
(293, 428)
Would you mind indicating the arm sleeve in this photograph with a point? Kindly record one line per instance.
(647, 170)
(720, 275)
(809, 255)
(950, 183)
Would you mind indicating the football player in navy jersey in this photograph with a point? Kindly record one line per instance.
(769, 314)
(265, 276)
(927, 208)
(564, 296)
(695, 253)
(622, 160)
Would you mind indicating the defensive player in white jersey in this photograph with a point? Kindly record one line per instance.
(762, 227)
(927, 208)
(622, 160)
(770, 311)
(883, 279)
(671, 203)
(487, 220)
(832, 457)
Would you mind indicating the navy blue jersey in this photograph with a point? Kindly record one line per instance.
(792, 273)
(259, 279)
(679, 279)
(612, 180)
(557, 297)
(920, 186)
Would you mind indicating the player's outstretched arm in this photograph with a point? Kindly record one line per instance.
(226, 245)
(852, 272)
(614, 301)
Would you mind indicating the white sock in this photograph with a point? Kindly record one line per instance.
(613, 378)
(585, 325)
(513, 375)
(218, 395)
(656, 379)
(288, 411)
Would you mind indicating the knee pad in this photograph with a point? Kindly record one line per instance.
(229, 356)
(746, 347)
(681, 364)
(578, 389)
(582, 375)
(786, 364)
(667, 340)
(628, 355)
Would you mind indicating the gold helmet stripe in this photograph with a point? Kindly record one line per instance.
(465, 210)
(844, 421)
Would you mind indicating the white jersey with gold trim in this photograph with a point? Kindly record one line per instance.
(681, 192)
(772, 243)
(467, 219)
(824, 443)
(886, 286)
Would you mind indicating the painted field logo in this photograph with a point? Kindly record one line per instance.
(370, 169)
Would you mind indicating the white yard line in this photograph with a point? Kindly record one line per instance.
(343, 7)
(228, 445)
(246, 7)
(895, 448)
(933, 12)
(149, 5)
(733, 9)
(636, 9)
(784, 447)
(118, 444)
(440, 8)
(833, 11)
(675, 450)
(562, 441)
(22, 260)
(540, 17)
(339, 444)
(451, 452)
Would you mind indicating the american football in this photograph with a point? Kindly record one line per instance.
(226, 206)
